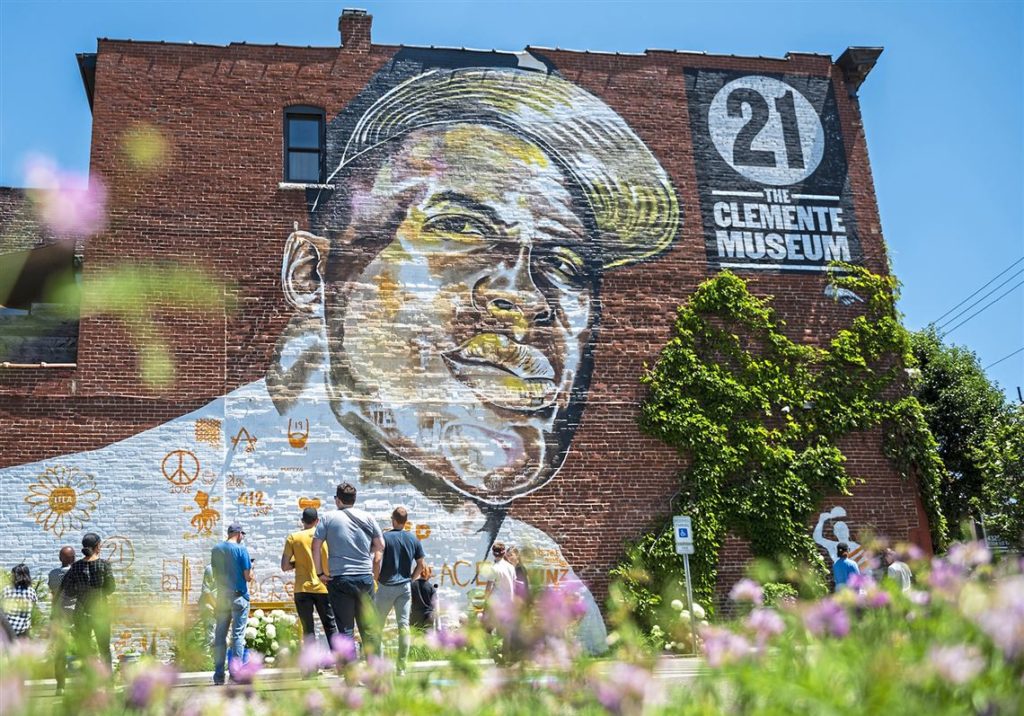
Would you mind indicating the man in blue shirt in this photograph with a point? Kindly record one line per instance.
(232, 570)
(844, 567)
(402, 563)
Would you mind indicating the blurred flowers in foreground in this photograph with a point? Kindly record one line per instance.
(69, 204)
(960, 649)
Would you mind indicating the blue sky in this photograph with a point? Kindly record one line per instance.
(943, 110)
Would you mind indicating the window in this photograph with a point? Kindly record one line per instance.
(303, 144)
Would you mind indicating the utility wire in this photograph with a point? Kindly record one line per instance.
(983, 308)
(982, 298)
(979, 290)
(1004, 358)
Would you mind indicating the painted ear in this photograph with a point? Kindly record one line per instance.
(302, 271)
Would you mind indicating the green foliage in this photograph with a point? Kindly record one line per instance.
(961, 406)
(760, 416)
(1001, 461)
(778, 593)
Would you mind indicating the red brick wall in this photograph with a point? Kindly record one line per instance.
(214, 204)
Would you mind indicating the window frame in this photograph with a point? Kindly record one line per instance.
(304, 111)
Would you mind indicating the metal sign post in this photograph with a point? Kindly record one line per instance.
(682, 531)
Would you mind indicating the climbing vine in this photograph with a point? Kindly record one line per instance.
(760, 416)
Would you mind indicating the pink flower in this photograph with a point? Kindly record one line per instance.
(875, 598)
(827, 618)
(313, 657)
(956, 664)
(344, 648)
(766, 623)
(12, 694)
(622, 688)
(860, 581)
(446, 640)
(351, 697)
(377, 674)
(315, 702)
(969, 554)
(69, 204)
(919, 597)
(245, 672)
(747, 590)
(722, 646)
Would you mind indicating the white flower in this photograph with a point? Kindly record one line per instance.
(271, 631)
(656, 630)
(258, 613)
(276, 614)
(698, 611)
(677, 605)
(250, 633)
(274, 646)
(684, 616)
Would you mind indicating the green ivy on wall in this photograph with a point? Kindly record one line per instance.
(760, 417)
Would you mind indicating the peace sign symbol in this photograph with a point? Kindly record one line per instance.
(180, 467)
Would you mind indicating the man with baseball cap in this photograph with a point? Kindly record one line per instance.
(310, 591)
(232, 569)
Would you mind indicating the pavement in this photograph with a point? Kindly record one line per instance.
(670, 671)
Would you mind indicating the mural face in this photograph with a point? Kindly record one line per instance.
(446, 298)
(461, 340)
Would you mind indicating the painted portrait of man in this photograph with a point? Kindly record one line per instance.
(445, 295)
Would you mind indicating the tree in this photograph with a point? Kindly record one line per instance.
(1001, 461)
(961, 406)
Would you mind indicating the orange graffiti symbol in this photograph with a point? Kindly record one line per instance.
(180, 467)
(207, 517)
(250, 441)
(305, 502)
(422, 531)
(298, 438)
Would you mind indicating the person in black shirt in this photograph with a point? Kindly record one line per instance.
(89, 582)
(423, 600)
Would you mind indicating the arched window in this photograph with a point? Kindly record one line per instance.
(304, 144)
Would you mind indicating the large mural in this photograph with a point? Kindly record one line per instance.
(446, 299)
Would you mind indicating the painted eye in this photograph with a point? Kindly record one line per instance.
(564, 269)
(457, 224)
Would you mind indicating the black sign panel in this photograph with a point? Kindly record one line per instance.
(771, 171)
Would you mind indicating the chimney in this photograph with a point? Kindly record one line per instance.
(355, 29)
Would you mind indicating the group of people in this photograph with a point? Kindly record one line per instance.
(79, 590)
(891, 568)
(343, 562)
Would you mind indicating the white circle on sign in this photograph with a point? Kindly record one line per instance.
(766, 130)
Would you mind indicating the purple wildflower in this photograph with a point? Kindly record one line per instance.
(622, 688)
(376, 674)
(69, 204)
(446, 640)
(765, 623)
(722, 646)
(747, 590)
(1003, 621)
(827, 617)
(313, 657)
(344, 648)
(245, 672)
(875, 599)
(148, 683)
(945, 578)
(316, 704)
(956, 664)
(560, 607)
(919, 597)
(857, 582)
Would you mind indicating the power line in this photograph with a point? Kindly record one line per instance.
(979, 290)
(1004, 358)
(983, 297)
(983, 308)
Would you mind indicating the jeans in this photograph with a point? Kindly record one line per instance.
(347, 595)
(399, 597)
(305, 602)
(235, 613)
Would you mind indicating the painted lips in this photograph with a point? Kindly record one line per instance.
(504, 373)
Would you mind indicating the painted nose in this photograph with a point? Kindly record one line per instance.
(509, 294)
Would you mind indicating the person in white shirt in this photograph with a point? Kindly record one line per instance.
(897, 571)
(501, 578)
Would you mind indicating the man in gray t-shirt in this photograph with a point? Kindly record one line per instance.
(355, 545)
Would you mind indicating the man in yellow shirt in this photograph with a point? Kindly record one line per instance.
(310, 591)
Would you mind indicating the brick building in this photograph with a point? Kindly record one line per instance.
(436, 273)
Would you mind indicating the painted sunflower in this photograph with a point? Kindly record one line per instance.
(63, 499)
